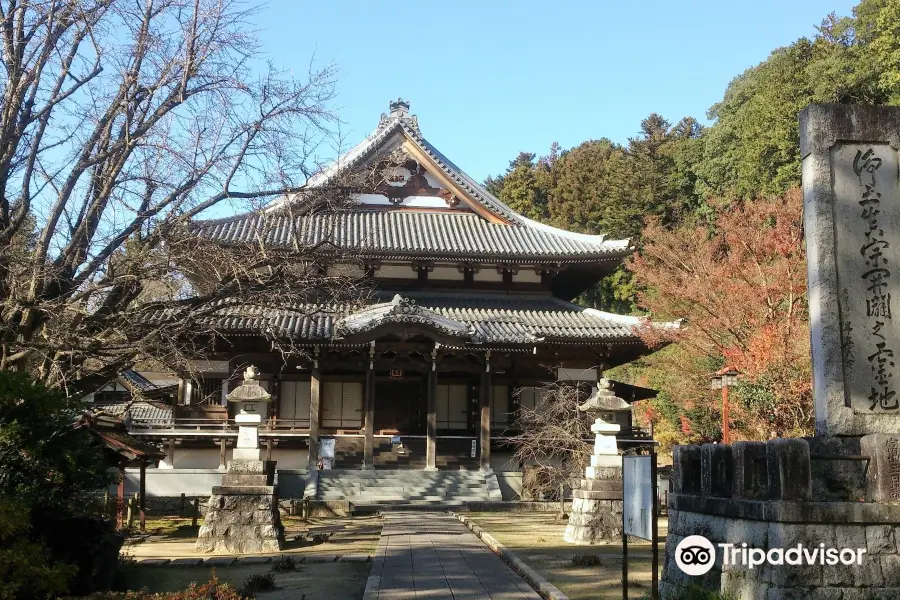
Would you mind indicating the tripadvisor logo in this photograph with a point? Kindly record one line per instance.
(695, 555)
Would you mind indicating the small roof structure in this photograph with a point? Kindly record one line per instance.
(112, 434)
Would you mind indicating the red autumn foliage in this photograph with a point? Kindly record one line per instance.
(740, 286)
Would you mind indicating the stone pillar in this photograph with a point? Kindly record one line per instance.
(597, 507)
(787, 463)
(222, 455)
(751, 474)
(716, 470)
(369, 449)
(169, 461)
(315, 398)
(431, 423)
(851, 220)
(484, 429)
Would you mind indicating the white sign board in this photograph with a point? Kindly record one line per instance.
(326, 447)
(637, 496)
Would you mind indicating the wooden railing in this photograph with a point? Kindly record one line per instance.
(214, 425)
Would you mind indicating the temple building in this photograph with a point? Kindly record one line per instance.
(472, 313)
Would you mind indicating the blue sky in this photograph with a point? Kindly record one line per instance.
(491, 78)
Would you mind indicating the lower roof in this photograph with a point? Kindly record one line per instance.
(473, 319)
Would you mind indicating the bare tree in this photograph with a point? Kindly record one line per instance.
(554, 442)
(121, 121)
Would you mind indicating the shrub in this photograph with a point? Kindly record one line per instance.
(25, 568)
(49, 469)
(587, 560)
(284, 563)
(257, 583)
(211, 590)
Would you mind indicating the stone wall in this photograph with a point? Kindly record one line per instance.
(761, 495)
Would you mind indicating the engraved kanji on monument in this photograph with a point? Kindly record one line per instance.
(852, 225)
(883, 474)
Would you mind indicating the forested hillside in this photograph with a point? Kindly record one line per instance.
(717, 218)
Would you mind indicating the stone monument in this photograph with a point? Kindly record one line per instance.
(597, 506)
(840, 489)
(852, 226)
(242, 516)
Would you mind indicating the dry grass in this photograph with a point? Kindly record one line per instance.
(173, 537)
(323, 581)
(537, 538)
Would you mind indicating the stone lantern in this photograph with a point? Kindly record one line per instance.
(597, 506)
(242, 514)
(252, 402)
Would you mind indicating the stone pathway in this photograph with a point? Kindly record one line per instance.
(434, 556)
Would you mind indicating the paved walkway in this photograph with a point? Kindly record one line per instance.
(434, 556)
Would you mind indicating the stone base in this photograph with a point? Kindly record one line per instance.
(596, 512)
(242, 518)
(594, 521)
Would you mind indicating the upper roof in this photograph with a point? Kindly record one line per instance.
(474, 222)
(405, 233)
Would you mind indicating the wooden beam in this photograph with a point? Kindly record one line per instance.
(423, 159)
(120, 498)
(484, 430)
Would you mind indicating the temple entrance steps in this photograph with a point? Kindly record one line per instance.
(452, 453)
(373, 487)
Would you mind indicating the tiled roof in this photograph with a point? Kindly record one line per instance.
(405, 233)
(492, 319)
(138, 410)
(138, 381)
(401, 231)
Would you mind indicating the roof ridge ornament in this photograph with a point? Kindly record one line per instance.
(404, 306)
(399, 112)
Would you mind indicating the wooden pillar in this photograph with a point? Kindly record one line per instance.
(484, 431)
(142, 491)
(369, 448)
(222, 464)
(431, 423)
(120, 499)
(315, 396)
